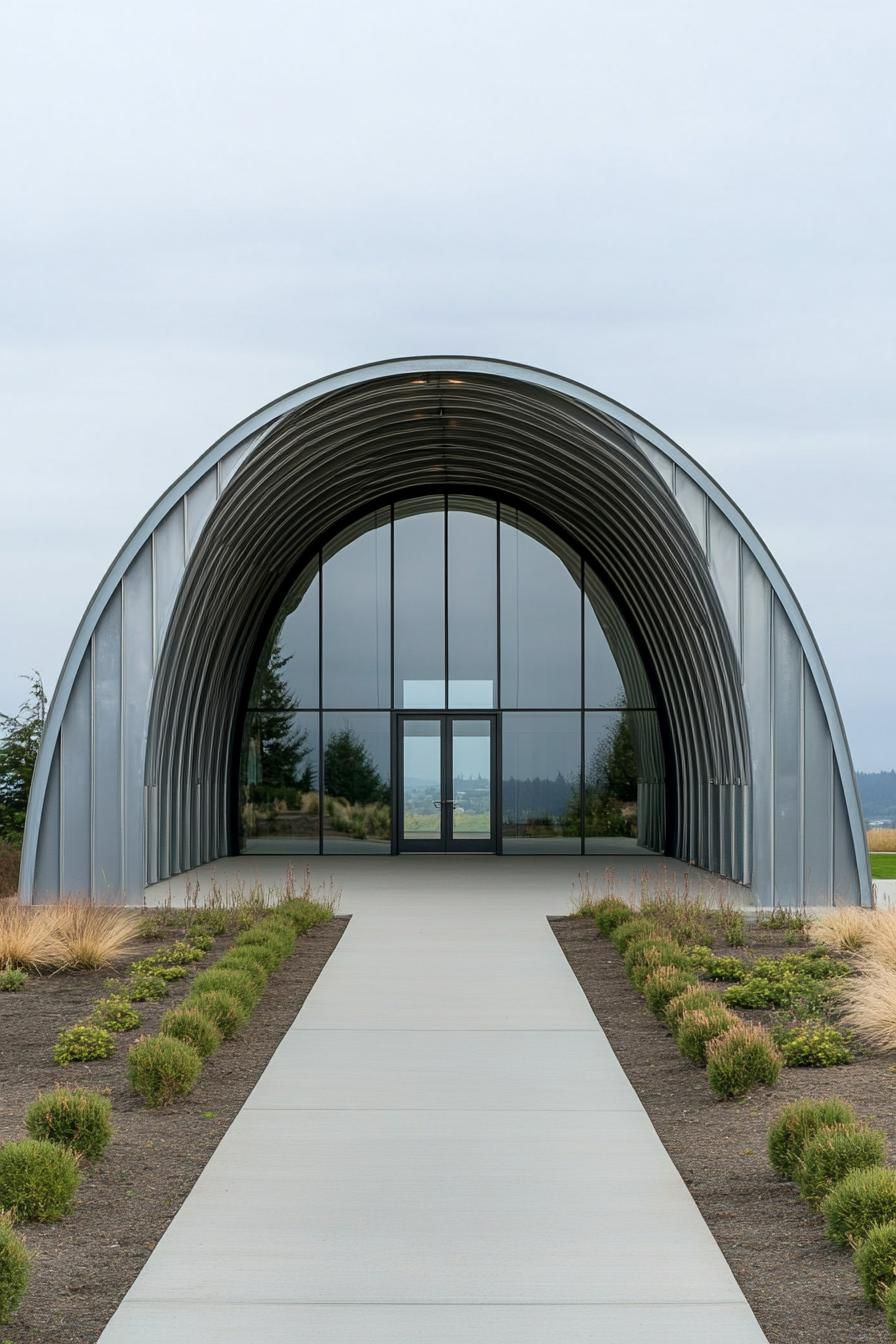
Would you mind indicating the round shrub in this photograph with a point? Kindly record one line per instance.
(73, 1116)
(12, 980)
(741, 1058)
(82, 1041)
(241, 959)
(833, 1152)
(690, 998)
(642, 958)
(193, 1026)
(889, 1306)
(15, 1268)
(698, 1026)
(798, 1122)
(38, 1180)
(147, 987)
(237, 983)
(875, 1261)
(817, 1046)
(304, 914)
(115, 1013)
(712, 967)
(662, 985)
(162, 1068)
(226, 1012)
(280, 936)
(263, 954)
(630, 929)
(610, 912)
(863, 1198)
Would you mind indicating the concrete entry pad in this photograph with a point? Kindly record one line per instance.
(443, 1148)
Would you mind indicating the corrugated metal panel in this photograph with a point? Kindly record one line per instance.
(47, 877)
(106, 882)
(593, 469)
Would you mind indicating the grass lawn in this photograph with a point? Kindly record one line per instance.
(883, 865)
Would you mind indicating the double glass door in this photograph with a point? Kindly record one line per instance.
(446, 782)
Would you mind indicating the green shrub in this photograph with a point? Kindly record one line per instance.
(305, 914)
(875, 1261)
(741, 1058)
(200, 941)
(146, 987)
(12, 980)
(630, 929)
(149, 966)
(833, 1152)
(684, 920)
(889, 1305)
(81, 1042)
(691, 997)
(190, 1024)
(642, 958)
(237, 983)
(182, 952)
(731, 922)
(798, 1122)
(226, 1012)
(15, 1268)
(263, 954)
(38, 1180)
(116, 1013)
(610, 912)
(78, 1119)
(163, 1068)
(277, 934)
(663, 985)
(698, 1026)
(211, 923)
(712, 967)
(241, 959)
(817, 1046)
(863, 1198)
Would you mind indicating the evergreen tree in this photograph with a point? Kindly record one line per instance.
(20, 736)
(282, 748)
(349, 770)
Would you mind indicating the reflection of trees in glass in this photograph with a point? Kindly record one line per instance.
(349, 770)
(358, 801)
(278, 774)
(611, 784)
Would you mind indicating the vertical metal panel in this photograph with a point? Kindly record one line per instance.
(199, 503)
(658, 460)
(818, 800)
(168, 566)
(757, 598)
(787, 757)
(47, 884)
(693, 504)
(137, 653)
(229, 464)
(724, 565)
(846, 884)
(107, 866)
(75, 785)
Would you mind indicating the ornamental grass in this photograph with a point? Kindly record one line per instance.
(797, 1123)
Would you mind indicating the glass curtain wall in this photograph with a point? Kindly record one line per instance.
(447, 604)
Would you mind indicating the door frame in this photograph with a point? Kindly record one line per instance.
(448, 844)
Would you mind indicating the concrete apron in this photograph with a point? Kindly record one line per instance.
(443, 1149)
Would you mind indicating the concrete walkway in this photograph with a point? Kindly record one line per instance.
(442, 1150)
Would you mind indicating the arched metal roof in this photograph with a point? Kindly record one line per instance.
(134, 775)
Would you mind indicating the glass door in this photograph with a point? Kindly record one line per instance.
(446, 783)
(470, 805)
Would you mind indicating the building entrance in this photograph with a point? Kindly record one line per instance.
(446, 783)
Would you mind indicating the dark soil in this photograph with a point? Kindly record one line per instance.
(85, 1264)
(802, 1288)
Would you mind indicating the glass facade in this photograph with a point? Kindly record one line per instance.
(361, 733)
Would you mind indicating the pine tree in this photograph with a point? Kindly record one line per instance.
(349, 771)
(20, 736)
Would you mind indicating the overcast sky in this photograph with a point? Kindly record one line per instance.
(688, 206)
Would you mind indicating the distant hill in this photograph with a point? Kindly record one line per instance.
(878, 794)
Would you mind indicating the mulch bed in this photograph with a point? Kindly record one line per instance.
(85, 1264)
(802, 1289)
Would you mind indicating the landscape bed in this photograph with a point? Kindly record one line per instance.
(85, 1263)
(802, 1288)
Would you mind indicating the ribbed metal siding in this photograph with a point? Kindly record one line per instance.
(760, 768)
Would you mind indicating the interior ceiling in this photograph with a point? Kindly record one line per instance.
(350, 450)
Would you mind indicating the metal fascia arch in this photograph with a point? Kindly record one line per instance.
(252, 432)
